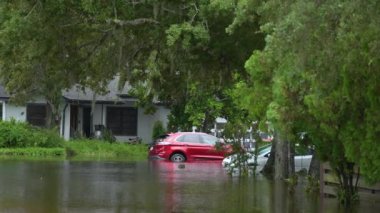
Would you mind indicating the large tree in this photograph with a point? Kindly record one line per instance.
(320, 71)
(197, 64)
(176, 51)
(47, 46)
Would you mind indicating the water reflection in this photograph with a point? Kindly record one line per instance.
(80, 186)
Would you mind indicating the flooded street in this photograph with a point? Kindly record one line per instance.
(98, 186)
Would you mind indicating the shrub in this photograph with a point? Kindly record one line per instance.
(14, 134)
(46, 138)
(108, 136)
(20, 134)
(158, 129)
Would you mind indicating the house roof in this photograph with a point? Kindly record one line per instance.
(3, 93)
(84, 95)
(112, 95)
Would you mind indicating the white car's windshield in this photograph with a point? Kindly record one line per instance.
(264, 150)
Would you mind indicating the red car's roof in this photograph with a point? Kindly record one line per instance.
(174, 135)
(182, 133)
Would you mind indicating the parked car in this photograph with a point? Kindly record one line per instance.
(188, 146)
(302, 158)
(158, 139)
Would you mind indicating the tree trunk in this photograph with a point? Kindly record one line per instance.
(281, 163)
(314, 170)
(205, 122)
(268, 169)
(93, 102)
(52, 115)
(291, 166)
(256, 137)
(348, 190)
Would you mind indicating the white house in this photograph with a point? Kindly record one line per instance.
(115, 110)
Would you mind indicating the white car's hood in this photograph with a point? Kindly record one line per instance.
(231, 162)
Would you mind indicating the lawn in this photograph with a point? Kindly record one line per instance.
(82, 149)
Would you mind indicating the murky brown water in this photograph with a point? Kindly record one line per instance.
(93, 186)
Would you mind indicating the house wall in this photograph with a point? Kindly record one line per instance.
(18, 113)
(14, 112)
(144, 122)
(99, 114)
(65, 122)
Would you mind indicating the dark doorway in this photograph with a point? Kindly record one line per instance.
(87, 121)
(73, 120)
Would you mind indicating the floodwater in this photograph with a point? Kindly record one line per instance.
(148, 186)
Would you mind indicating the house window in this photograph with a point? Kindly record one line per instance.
(36, 114)
(122, 120)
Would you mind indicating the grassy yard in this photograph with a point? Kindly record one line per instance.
(104, 150)
(82, 149)
(20, 140)
(33, 152)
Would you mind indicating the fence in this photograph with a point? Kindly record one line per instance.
(329, 182)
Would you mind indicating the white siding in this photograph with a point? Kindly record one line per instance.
(65, 122)
(99, 114)
(146, 122)
(14, 112)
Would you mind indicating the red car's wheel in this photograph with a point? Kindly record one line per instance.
(178, 157)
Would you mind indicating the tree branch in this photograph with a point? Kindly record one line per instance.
(33, 8)
(196, 13)
(134, 22)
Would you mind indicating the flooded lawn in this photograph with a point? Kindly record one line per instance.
(98, 186)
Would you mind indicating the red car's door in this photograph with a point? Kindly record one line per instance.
(194, 146)
(212, 152)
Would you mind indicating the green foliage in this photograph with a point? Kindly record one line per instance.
(15, 134)
(190, 36)
(158, 129)
(21, 134)
(292, 183)
(48, 46)
(312, 185)
(108, 136)
(347, 198)
(238, 166)
(202, 106)
(318, 70)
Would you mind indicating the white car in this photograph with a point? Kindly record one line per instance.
(302, 158)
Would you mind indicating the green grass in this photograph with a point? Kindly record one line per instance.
(104, 150)
(81, 149)
(33, 152)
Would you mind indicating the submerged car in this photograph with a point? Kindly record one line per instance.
(302, 158)
(188, 146)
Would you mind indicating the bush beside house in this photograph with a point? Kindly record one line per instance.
(20, 134)
(158, 129)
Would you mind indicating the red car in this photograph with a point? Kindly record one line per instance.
(188, 146)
